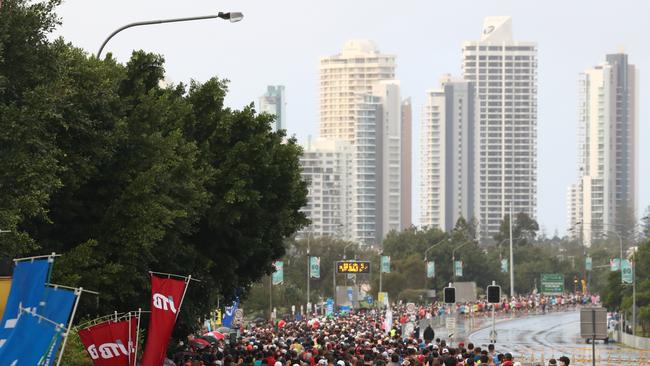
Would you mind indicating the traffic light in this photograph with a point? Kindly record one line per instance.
(494, 294)
(450, 295)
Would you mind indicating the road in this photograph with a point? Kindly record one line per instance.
(535, 339)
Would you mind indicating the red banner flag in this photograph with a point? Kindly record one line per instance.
(108, 343)
(166, 298)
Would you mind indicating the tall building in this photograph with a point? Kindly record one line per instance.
(326, 167)
(407, 165)
(390, 154)
(274, 102)
(344, 79)
(606, 191)
(505, 74)
(448, 158)
(361, 103)
(376, 166)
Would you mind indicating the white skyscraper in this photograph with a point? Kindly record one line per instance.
(448, 154)
(505, 74)
(390, 129)
(344, 79)
(327, 168)
(361, 103)
(274, 102)
(605, 195)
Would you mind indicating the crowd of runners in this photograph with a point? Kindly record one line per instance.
(364, 338)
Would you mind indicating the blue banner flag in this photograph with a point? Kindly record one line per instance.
(27, 289)
(229, 314)
(38, 333)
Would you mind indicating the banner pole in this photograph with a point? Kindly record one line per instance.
(78, 292)
(187, 284)
(53, 255)
(137, 336)
(130, 344)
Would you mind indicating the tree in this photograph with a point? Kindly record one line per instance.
(28, 174)
(524, 229)
(645, 224)
(122, 175)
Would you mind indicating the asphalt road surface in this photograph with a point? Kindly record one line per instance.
(537, 338)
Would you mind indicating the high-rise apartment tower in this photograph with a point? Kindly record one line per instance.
(505, 74)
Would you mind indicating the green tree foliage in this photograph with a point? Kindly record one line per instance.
(294, 289)
(122, 175)
(617, 296)
(28, 150)
(524, 229)
(645, 224)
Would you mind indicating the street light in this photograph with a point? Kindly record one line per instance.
(344, 248)
(620, 240)
(426, 258)
(231, 16)
(453, 259)
(309, 269)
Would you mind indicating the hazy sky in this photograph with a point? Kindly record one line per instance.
(280, 42)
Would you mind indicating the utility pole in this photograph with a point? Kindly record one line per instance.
(308, 272)
(381, 255)
(512, 263)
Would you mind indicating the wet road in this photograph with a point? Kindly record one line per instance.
(536, 338)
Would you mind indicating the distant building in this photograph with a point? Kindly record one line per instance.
(326, 167)
(344, 78)
(361, 103)
(605, 196)
(448, 158)
(274, 102)
(505, 74)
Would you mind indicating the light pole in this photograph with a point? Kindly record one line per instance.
(620, 242)
(308, 271)
(344, 249)
(453, 259)
(426, 258)
(633, 297)
(381, 255)
(232, 16)
(512, 262)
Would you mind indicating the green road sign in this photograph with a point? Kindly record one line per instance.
(552, 283)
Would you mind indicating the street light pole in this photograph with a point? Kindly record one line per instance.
(633, 298)
(308, 272)
(344, 249)
(453, 259)
(232, 16)
(512, 262)
(618, 235)
(426, 258)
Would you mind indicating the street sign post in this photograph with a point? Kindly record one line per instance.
(552, 283)
(593, 325)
